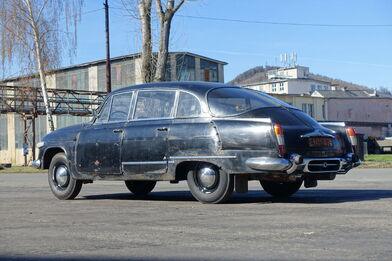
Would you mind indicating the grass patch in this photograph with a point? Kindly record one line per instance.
(21, 169)
(377, 161)
(378, 157)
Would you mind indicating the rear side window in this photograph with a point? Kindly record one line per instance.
(232, 101)
(120, 107)
(188, 106)
(154, 104)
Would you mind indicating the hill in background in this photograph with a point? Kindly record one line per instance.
(259, 74)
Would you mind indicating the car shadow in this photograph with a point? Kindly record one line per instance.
(309, 196)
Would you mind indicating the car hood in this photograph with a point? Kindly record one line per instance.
(64, 134)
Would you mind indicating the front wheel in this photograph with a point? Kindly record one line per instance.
(208, 184)
(281, 189)
(140, 187)
(61, 182)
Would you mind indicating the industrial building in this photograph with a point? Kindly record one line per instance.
(88, 77)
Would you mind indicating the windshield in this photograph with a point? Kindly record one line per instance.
(231, 101)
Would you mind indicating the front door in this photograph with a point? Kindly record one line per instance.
(98, 148)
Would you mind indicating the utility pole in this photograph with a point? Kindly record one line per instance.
(108, 69)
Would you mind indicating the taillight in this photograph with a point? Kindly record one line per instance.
(353, 138)
(279, 136)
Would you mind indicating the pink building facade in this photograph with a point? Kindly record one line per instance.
(374, 112)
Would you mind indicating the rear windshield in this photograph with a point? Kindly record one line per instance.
(231, 101)
(272, 99)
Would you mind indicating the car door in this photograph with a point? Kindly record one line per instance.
(98, 147)
(145, 145)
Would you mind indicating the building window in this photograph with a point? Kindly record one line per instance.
(308, 108)
(185, 67)
(281, 86)
(312, 87)
(76, 79)
(123, 74)
(3, 132)
(208, 71)
(274, 87)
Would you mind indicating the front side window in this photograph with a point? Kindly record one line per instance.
(232, 101)
(154, 104)
(188, 106)
(120, 107)
(104, 114)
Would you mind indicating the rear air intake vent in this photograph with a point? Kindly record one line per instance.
(323, 165)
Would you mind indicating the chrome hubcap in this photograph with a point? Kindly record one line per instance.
(61, 176)
(207, 177)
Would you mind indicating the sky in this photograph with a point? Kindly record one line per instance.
(358, 54)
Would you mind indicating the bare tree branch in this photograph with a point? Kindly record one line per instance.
(30, 33)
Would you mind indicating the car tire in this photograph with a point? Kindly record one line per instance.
(281, 189)
(60, 179)
(209, 184)
(140, 187)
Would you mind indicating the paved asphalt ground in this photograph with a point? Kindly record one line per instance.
(349, 218)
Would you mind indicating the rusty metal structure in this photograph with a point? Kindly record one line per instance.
(28, 102)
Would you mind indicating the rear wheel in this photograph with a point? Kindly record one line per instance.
(208, 184)
(281, 189)
(60, 179)
(140, 187)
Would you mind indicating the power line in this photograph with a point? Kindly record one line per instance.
(282, 23)
(270, 22)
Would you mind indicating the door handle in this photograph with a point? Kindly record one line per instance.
(163, 129)
(117, 131)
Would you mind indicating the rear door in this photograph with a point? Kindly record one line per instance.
(145, 144)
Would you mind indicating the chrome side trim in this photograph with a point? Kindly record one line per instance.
(341, 124)
(146, 162)
(265, 120)
(201, 157)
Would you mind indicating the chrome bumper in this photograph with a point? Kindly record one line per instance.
(36, 164)
(305, 165)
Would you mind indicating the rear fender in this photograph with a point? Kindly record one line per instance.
(245, 134)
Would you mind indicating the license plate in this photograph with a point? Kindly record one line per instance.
(320, 142)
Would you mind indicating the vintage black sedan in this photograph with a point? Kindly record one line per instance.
(217, 137)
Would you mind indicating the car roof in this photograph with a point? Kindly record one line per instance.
(192, 86)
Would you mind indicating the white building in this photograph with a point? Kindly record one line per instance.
(290, 80)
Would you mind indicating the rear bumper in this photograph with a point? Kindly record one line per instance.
(304, 165)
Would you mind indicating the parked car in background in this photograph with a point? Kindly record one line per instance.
(217, 137)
